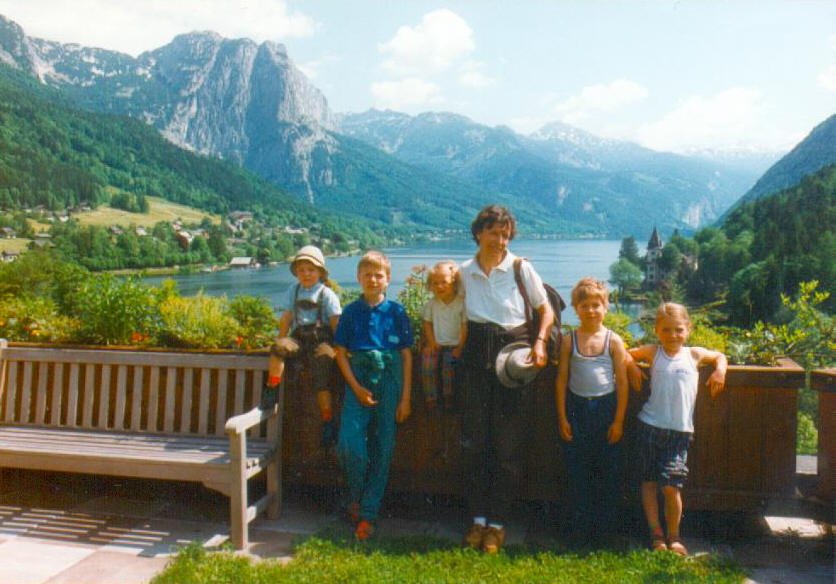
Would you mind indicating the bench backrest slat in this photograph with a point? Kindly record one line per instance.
(186, 406)
(121, 392)
(128, 391)
(220, 407)
(168, 411)
(104, 397)
(57, 399)
(136, 399)
(72, 396)
(203, 400)
(153, 399)
(89, 389)
(11, 391)
(40, 396)
(26, 392)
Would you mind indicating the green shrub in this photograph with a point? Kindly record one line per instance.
(198, 321)
(256, 321)
(114, 311)
(34, 319)
(413, 297)
(619, 322)
(807, 436)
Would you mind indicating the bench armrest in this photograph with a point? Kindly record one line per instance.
(243, 422)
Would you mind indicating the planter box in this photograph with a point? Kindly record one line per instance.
(743, 451)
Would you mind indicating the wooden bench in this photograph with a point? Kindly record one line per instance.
(161, 415)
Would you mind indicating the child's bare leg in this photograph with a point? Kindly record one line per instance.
(673, 510)
(323, 400)
(275, 370)
(651, 512)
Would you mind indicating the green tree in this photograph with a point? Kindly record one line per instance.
(629, 251)
(625, 275)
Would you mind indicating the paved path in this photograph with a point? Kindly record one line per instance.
(77, 529)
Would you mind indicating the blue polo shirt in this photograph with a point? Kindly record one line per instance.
(366, 328)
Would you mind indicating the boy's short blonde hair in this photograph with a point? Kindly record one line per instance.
(590, 288)
(375, 259)
(444, 266)
(672, 310)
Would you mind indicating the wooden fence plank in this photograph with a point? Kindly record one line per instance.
(220, 404)
(11, 391)
(136, 400)
(26, 393)
(104, 397)
(57, 391)
(203, 404)
(186, 408)
(40, 396)
(170, 388)
(121, 397)
(153, 399)
(72, 396)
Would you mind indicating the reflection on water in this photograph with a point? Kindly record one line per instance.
(561, 263)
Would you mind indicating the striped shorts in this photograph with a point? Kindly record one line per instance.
(663, 455)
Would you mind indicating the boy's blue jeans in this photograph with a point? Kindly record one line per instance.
(367, 434)
(594, 466)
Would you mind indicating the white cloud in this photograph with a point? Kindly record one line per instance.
(441, 38)
(527, 124)
(311, 69)
(134, 26)
(734, 118)
(827, 78)
(599, 98)
(406, 94)
(476, 79)
(831, 42)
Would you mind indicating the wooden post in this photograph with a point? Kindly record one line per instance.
(238, 490)
(824, 382)
(274, 468)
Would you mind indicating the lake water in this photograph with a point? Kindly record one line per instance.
(561, 263)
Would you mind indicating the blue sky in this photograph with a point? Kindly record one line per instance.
(671, 75)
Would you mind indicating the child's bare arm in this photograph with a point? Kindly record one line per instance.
(634, 374)
(334, 321)
(364, 396)
(405, 403)
(560, 387)
(284, 323)
(619, 360)
(717, 380)
(429, 336)
(457, 350)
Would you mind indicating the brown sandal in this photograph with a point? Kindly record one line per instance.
(676, 546)
(657, 543)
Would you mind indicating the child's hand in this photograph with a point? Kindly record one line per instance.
(615, 432)
(431, 347)
(365, 397)
(538, 354)
(716, 382)
(457, 352)
(565, 429)
(635, 375)
(403, 412)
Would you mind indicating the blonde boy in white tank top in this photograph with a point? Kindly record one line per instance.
(667, 418)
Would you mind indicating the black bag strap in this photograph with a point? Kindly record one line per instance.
(529, 311)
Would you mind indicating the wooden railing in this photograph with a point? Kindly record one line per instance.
(824, 382)
(743, 451)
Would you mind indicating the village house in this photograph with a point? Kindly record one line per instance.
(9, 256)
(242, 262)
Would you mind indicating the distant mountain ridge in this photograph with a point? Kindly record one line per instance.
(248, 103)
(604, 186)
(815, 152)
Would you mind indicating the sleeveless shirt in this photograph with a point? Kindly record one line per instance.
(591, 375)
(673, 391)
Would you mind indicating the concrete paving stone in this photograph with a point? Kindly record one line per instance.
(31, 561)
(798, 526)
(296, 520)
(268, 544)
(156, 537)
(821, 574)
(126, 507)
(110, 568)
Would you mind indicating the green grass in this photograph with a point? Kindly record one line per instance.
(431, 560)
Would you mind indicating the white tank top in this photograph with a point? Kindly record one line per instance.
(591, 375)
(673, 391)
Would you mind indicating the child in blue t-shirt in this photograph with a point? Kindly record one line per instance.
(374, 354)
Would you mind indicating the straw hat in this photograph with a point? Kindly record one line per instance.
(513, 367)
(309, 253)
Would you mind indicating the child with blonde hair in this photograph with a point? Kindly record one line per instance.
(445, 332)
(591, 414)
(666, 422)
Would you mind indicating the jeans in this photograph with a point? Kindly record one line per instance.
(367, 434)
(594, 466)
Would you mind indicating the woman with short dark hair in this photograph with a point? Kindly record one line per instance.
(492, 420)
